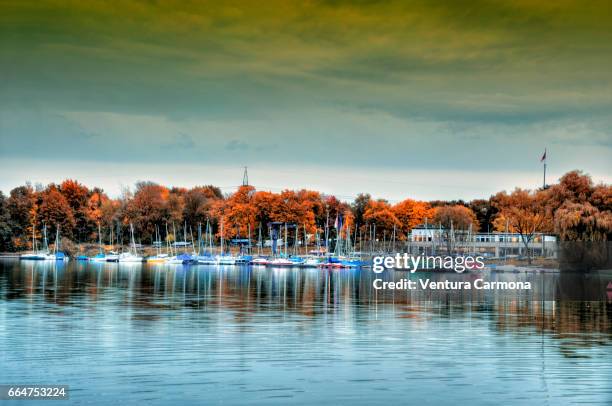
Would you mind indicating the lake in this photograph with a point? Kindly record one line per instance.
(159, 334)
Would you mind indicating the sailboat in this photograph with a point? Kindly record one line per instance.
(259, 260)
(57, 255)
(132, 255)
(100, 256)
(282, 259)
(206, 257)
(112, 256)
(224, 259)
(159, 257)
(36, 255)
(183, 258)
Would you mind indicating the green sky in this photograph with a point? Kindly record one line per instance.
(339, 87)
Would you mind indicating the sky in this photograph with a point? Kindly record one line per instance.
(428, 100)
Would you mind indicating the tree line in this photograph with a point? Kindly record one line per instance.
(574, 208)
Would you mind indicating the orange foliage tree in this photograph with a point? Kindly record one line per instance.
(410, 213)
(523, 212)
(148, 208)
(381, 214)
(575, 208)
(236, 214)
(77, 196)
(54, 211)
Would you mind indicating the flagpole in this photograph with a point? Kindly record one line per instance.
(544, 161)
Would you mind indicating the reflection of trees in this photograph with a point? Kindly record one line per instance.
(571, 321)
(244, 294)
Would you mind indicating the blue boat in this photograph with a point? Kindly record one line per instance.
(100, 257)
(297, 261)
(182, 259)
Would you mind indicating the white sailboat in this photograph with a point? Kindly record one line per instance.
(159, 257)
(112, 256)
(35, 255)
(223, 259)
(132, 255)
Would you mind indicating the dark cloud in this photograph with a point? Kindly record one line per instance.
(301, 82)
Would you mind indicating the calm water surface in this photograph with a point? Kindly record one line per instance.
(142, 334)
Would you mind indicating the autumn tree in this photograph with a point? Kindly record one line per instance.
(583, 222)
(6, 243)
(265, 204)
(313, 202)
(197, 205)
(454, 218)
(523, 212)
(109, 213)
(602, 197)
(359, 207)
(93, 209)
(22, 209)
(237, 213)
(292, 208)
(77, 197)
(148, 208)
(580, 210)
(380, 214)
(409, 214)
(54, 211)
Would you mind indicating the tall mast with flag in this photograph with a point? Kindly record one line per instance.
(543, 160)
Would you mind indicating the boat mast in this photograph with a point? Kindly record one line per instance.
(133, 241)
(157, 240)
(57, 234)
(168, 241)
(174, 249)
(199, 238)
(285, 240)
(45, 242)
(192, 241)
(249, 238)
(327, 233)
(222, 240)
(99, 238)
(185, 237)
(259, 241)
(34, 247)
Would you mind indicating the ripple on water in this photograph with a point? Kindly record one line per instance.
(199, 335)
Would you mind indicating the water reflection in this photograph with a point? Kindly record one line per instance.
(275, 334)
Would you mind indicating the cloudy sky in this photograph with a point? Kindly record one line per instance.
(421, 99)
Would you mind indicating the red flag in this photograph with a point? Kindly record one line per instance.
(543, 156)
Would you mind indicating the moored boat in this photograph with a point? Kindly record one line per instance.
(129, 257)
(181, 259)
(226, 260)
(158, 258)
(36, 255)
(259, 261)
(132, 255)
(280, 262)
(101, 255)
